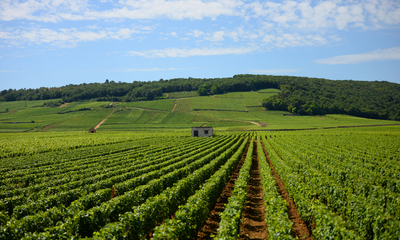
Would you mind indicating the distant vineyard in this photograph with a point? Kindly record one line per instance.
(164, 185)
(181, 94)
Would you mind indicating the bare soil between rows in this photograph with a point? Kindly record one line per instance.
(300, 229)
(253, 225)
(213, 219)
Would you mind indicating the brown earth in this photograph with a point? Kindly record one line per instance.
(253, 225)
(174, 107)
(212, 223)
(299, 229)
(255, 123)
(105, 119)
(63, 105)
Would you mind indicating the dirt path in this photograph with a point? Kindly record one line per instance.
(253, 225)
(255, 123)
(63, 105)
(233, 120)
(213, 219)
(105, 119)
(300, 229)
(174, 106)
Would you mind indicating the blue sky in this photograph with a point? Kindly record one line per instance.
(51, 43)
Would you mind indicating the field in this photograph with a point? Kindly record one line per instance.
(340, 183)
(181, 94)
(230, 111)
(142, 176)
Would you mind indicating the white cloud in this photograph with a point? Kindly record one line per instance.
(307, 14)
(50, 11)
(62, 37)
(195, 33)
(277, 24)
(381, 54)
(172, 34)
(177, 9)
(294, 39)
(337, 14)
(176, 52)
(216, 36)
(274, 71)
(239, 32)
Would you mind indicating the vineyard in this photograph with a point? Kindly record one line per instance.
(324, 184)
(228, 111)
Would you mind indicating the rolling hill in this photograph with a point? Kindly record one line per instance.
(229, 111)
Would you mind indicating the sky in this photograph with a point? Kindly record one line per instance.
(53, 43)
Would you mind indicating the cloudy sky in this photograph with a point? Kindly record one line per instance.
(58, 42)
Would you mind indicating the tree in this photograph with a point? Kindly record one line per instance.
(215, 89)
(204, 90)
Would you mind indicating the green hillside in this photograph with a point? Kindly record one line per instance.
(299, 95)
(230, 111)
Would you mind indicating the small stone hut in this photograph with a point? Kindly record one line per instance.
(202, 131)
(92, 130)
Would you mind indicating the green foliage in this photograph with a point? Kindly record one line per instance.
(221, 104)
(165, 104)
(192, 215)
(299, 95)
(340, 176)
(312, 96)
(143, 218)
(53, 103)
(183, 105)
(230, 217)
(182, 94)
(139, 91)
(229, 111)
(276, 215)
(113, 185)
(204, 90)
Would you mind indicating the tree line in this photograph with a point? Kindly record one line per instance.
(138, 90)
(310, 96)
(299, 95)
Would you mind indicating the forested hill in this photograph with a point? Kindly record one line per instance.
(308, 96)
(299, 95)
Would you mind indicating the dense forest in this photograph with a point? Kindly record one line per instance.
(306, 96)
(299, 95)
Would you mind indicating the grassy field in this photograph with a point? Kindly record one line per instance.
(181, 94)
(183, 105)
(102, 186)
(211, 103)
(231, 111)
(142, 167)
(164, 105)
